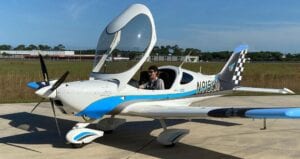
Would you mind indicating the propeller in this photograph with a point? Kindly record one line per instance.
(37, 104)
(59, 81)
(53, 88)
(56, 122)
(44, 70)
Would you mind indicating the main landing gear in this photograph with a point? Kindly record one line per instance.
(169, 137)
(79, 135)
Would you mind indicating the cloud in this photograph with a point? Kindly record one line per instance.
(76, 8)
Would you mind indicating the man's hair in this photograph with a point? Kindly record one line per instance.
(154, 68)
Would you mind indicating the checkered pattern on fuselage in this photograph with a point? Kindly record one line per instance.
(237, 76)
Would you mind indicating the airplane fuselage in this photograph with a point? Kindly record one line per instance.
(95, 98)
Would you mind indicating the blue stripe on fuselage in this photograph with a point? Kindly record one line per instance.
(101, 107)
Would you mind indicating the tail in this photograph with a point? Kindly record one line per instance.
(231, 74)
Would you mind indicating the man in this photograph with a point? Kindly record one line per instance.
(154, 82)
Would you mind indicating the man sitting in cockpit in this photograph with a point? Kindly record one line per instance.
(154, 83)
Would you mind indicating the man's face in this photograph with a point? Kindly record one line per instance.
(152, 74)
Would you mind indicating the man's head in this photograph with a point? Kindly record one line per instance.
(153, 72)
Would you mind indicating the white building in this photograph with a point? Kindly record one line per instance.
(36, 52)
(190, 59)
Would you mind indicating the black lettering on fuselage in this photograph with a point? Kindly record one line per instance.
(207, 86)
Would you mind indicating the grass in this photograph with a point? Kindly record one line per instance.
(14, 75)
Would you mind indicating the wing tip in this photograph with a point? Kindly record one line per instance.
(276, 113)
(288, 91)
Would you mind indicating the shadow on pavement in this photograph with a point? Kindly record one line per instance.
(132, 136)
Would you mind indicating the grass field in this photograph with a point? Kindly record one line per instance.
(14, 75)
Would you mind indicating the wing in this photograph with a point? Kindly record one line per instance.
(179, 111)
(263, 90)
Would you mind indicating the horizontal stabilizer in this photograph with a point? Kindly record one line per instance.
(263, 90)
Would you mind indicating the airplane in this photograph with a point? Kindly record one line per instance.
(111, 89)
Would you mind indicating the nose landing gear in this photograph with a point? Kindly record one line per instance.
(79, 135)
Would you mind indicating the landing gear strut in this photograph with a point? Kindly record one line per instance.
(109, 124)
(265, 124)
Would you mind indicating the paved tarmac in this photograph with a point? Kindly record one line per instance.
(25, 135)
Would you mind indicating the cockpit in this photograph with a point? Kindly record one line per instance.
(166, 74)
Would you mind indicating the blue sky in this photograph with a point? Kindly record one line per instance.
(209, 25)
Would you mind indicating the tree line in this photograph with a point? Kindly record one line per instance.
(59, 47)
(223, 55)
(175, 50)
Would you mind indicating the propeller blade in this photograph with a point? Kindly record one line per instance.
(56, 122)
(44, 70)
(59, 81)
(37, 104)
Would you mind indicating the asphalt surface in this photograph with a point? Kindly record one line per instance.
(25, 135)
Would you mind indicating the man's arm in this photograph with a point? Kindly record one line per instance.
(143, 86)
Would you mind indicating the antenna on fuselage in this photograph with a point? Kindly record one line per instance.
(180, 66)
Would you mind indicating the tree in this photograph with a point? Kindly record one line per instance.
(59, 47)
(44, 47)
(221, 55)
(164, 50)
(155, 50)
(5, 47)
(31, 47)
(20, 47)
(177, 50)
(207, 56)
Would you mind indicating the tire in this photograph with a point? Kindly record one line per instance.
(77, 145)
(171, 145)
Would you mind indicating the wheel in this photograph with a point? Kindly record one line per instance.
(77, 145)
(109, 131)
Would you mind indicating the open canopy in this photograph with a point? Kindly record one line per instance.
(119, 51)
(124, 45)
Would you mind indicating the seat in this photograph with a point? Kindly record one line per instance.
(166, 78)
(144, 77)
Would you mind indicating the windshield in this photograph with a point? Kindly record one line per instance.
(119, 51)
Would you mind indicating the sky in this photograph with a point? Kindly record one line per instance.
(209, 25)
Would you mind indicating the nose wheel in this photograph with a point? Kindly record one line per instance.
(77, 145)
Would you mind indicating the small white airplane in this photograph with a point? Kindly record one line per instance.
(132, 34)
